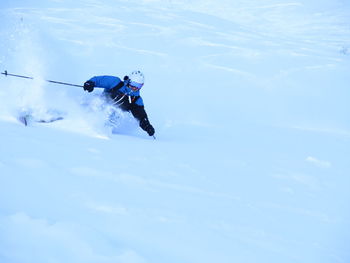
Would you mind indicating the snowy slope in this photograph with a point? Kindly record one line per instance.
(249, 100)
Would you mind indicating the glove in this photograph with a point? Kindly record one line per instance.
(150, 130)
(146, 126)
(89, 86)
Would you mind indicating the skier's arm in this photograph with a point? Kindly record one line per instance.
(140, 114)
(106, 82)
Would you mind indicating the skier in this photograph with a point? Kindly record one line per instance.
(124, 94)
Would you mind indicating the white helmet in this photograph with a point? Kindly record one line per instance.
(136, 78)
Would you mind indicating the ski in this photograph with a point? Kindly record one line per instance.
(27, 118)
(50, 120)
(24, 119)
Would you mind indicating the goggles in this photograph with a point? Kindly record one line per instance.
(134, 86)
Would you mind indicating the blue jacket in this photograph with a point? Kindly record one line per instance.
(109, 82)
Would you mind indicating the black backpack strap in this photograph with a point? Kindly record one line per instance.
(114, 91)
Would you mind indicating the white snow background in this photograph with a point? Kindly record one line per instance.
(249, 100)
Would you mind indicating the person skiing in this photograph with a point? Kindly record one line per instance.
(124, 94)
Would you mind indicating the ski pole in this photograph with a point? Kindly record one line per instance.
(13, 75)
(51, 81)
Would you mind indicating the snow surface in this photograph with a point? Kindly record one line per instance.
(249, 100)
